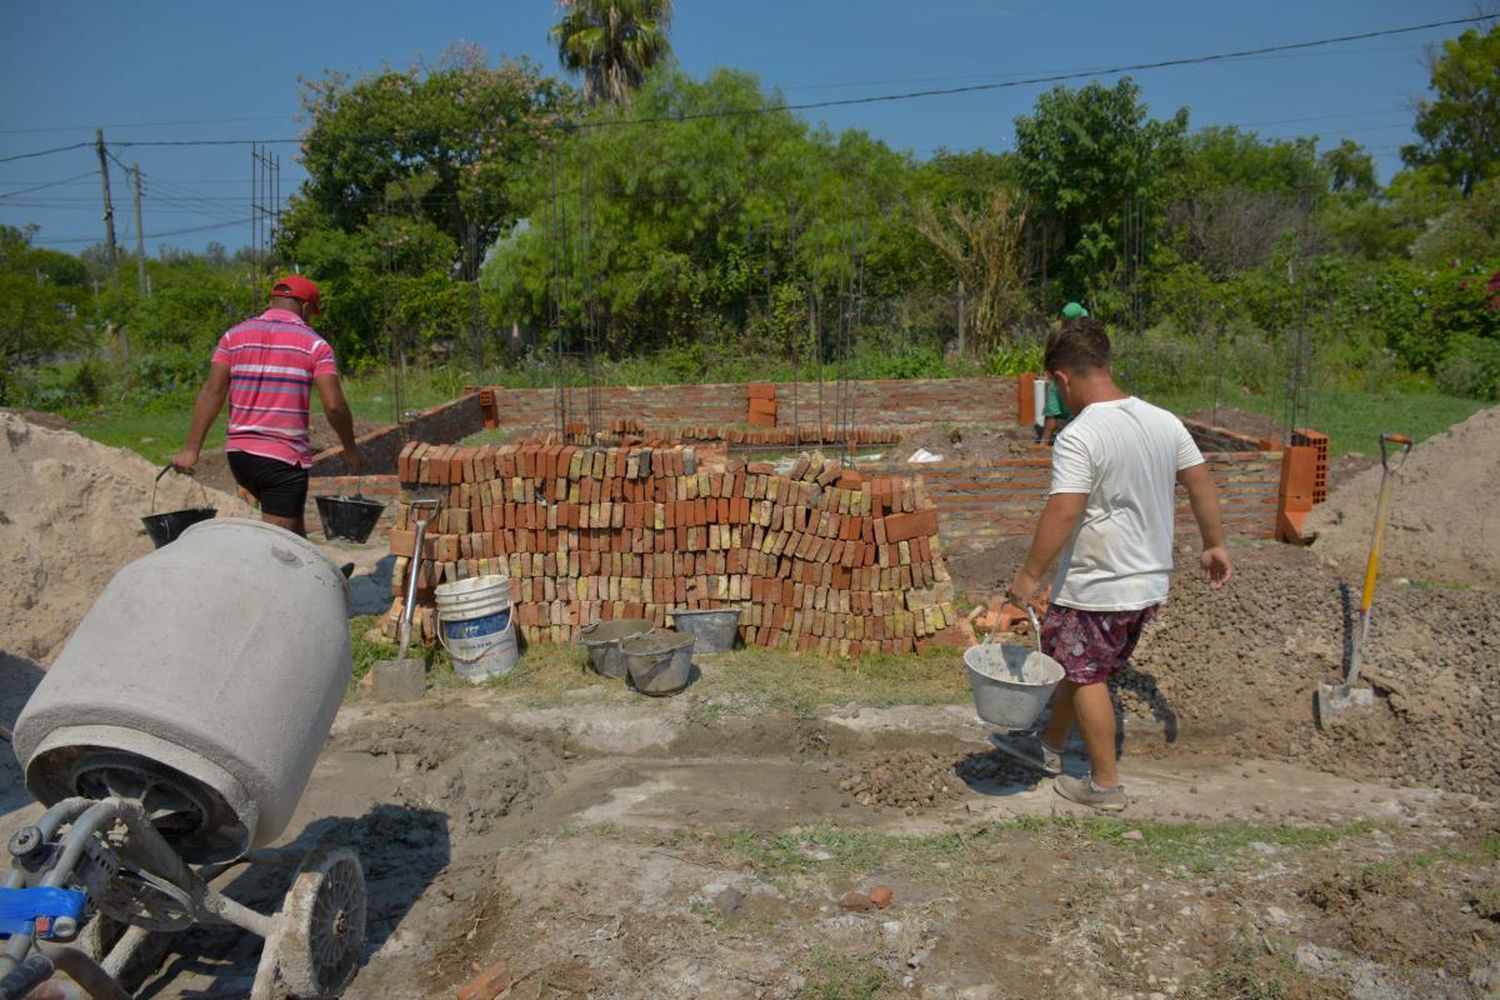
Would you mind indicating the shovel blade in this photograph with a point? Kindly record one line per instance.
(398, 680)
(1335, 700)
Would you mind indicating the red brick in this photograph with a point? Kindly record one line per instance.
(488, 985)
(900, 527)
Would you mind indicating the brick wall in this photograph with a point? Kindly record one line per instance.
(981, 501)
(450, 421)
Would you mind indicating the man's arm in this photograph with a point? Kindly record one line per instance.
(1058, 522)
(205, 411)
(1204, 498)
(336, 409)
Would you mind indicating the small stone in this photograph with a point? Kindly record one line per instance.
(882, 896)
(1133, 835)
(856, 902)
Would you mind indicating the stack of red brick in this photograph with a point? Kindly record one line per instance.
(762, 396)
(822, 558)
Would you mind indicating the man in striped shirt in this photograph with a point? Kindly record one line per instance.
(267, 368)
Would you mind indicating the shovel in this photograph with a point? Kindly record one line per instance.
(1336, 698)
(404, 678)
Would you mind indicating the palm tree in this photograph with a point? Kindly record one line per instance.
(613, 43)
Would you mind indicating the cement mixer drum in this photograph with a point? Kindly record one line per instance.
(202, 682)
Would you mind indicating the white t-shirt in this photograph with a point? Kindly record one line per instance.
(1125, 454)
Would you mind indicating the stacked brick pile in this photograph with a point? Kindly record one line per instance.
(821, 559)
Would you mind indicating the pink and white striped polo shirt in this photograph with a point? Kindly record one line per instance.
(272, 361)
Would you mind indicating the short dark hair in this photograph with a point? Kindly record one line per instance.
(1079, 345)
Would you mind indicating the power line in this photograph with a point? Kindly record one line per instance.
(50, 184)
(44, 152)
(149, 236)
(868, 99)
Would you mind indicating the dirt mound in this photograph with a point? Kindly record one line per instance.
(1243, 665)
(70, 516)
(1445, 511)
(914, 779)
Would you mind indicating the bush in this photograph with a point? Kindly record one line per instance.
(1472, 369)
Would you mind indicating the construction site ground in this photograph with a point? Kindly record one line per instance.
(604, 844)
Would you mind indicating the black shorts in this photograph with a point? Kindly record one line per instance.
(280, 487)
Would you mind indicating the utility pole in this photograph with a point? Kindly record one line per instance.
(109, 207)
(140, 234)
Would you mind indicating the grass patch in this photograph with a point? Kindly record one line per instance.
(834, 976)
(1353, 419)
(156, 435)
(1204, 849)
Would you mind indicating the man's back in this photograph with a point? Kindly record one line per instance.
(272, 361)
(1125, 455)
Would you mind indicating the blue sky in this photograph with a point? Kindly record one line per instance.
(155, 70)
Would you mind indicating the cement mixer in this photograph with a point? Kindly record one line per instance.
(172, 740)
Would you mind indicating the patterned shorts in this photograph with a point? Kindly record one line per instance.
(1092, 646)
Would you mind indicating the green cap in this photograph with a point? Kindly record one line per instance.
(1074, 311)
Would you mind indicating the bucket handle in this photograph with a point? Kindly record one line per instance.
(164, 470)
(1036, 629)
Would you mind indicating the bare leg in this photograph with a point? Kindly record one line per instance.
(1064, 714)
(1096, 718)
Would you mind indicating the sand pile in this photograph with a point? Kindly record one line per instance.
(70, 516)
(1444, 523)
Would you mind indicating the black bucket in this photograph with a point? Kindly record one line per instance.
(349, 518)
(165, 527)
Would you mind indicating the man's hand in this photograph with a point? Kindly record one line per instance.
(1217, 568)
(354, 460)
(184, 461)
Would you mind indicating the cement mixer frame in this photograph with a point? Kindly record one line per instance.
(98, 871)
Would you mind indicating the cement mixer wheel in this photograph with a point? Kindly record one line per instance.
(323, 925)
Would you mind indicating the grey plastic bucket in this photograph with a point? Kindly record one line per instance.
(602, 640)
(713, 631)
(659, 662)
(1012, 684)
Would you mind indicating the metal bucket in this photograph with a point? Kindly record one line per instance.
(1011, 684)
(350, 519)
(659, 662)
(713, 631)
(602, 640)
(165, 527)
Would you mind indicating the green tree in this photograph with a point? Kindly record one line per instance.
(661, 234)
(1350, 169)
(1460, 127)
(613, 43)
(41, 302)
(1093, 163)
(434, 148)
(985, 245)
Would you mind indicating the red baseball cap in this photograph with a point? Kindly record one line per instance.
(294, 286)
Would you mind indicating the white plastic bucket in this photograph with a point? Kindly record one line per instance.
(475, 627)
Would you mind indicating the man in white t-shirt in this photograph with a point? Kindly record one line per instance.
(1108, 523)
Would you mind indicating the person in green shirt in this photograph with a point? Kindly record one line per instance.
(1055, 413)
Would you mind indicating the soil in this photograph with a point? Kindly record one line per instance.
(213, 465)
(966, 444)
(1247, 422)
(70, 515)
(1444, 523)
